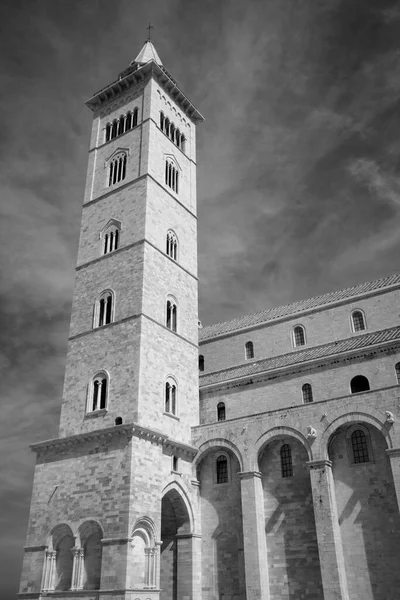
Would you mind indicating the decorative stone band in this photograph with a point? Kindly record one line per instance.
(320, 464)
(34, 548)
(393, 452)
(129, 430)
(249, 474)
(112, 541)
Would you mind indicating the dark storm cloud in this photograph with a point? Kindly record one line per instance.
(297, 170)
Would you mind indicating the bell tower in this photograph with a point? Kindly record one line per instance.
(131, 384)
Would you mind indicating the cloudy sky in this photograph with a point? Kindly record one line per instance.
(298, 177)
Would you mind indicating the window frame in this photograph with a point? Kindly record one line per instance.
(397, 372)
(352, 325)
(96, 311)
(217, 455)
(221, 405)
(173, 300)
(249, 350)
(286, 469)
(171, 232)
(361, 391)
(170, 380)
(349, 445)
(89, 411)
(299, 326)
(309, 387)
(111, 226)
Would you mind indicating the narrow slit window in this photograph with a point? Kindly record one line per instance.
(221, 414)
(249, 350)
(222, 469)
(286, 461)
(201, 363)
(397, 368)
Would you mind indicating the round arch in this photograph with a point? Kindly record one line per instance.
(213, 443)
(277, 432)
(57, 533)
(85, 528)
(145, 527)
(373, 417)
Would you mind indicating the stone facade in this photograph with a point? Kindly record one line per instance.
(229, 486)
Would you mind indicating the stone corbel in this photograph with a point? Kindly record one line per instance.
(311, 434)
(389, 418)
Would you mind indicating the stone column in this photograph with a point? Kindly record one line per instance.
(49, 571)
(254, 539)
(394, 456)
(188, 552)
(330, 548)
(150, 567)
(77, 569)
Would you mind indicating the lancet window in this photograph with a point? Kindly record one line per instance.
(172, 132)
(117, 169)
(104, 309)
(98, 392)
(170, 401)
(221, 413)
(299, 336)
(121, 125)
(286, 461)
(222, 469)
(172, 315)
(249, 350)
(307, 393)
(172, 244)
(358, 321)
(171, 176)
(111, 238)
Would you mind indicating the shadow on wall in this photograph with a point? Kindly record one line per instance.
(293, 561)
(368, 513)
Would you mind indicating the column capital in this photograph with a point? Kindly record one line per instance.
(393, 451)
(320, 464)
(51, 553)
(249, 475)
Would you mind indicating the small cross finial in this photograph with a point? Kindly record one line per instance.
(150, 27)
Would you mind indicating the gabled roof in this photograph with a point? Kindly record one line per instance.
(349, 345)
(296, 308)
(148, 52)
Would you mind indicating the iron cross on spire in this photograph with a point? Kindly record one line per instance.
(150, 27)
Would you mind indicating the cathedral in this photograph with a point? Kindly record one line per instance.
(255, 459)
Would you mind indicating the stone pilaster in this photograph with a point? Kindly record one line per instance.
(394, 457)
(255, 547)
(328, 532)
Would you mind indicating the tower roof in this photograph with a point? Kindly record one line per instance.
(148, 52)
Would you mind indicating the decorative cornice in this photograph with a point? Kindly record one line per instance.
(296, 367)
(108, 433)
(319, 464)
(393, 451)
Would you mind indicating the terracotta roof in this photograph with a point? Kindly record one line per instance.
(271, 314)
(357, 342)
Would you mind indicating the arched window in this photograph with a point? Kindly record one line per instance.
(170, 401)
(286, 461)
(135, 118)
(359, 384)
(397, 368)
(178, 138)
(117, 169)
(162, 120)
(108, 132)
(98, 392)
(358, 321)
(201, 363)
(172, 315)
(307, 393)
(359, 446)
(166, 126)
(299, 336)
(111, 237)
(118, 421)
(222, 469)
(171, 176)
(183, 140)
(88, 556)
(221, 414)
(114, 129)
(249, 350)
(58, 564)
(128, 122)
(175, 463)
(104, 309)
(121, 125)
(172, 132)
(172, 244)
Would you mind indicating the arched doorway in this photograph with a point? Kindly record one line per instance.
(291, 538)
(176, 572)
(367, 511)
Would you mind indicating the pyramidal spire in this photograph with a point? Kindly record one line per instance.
(148, 52)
